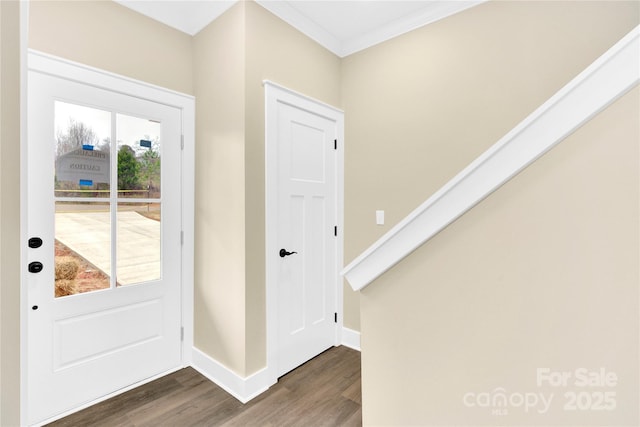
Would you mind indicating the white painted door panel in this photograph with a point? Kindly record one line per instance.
(87, 345)
(306, 221)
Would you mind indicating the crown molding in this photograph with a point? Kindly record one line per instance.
(435, 11)
(189, 17)
(299, 21)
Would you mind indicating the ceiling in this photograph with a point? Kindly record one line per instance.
(342, 26)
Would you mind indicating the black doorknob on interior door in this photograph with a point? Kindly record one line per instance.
(284, 253)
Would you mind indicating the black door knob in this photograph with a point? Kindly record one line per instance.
(35, 267)
(284, 253)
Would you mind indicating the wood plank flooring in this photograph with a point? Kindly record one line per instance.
(325, 391)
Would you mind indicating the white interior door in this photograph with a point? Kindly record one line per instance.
(104, 291)
(306, 239)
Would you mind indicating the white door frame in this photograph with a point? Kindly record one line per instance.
(83, 74)
(275, 94)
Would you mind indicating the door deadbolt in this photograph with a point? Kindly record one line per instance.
(35, 242)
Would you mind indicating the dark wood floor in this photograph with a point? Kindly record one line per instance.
(323, 392)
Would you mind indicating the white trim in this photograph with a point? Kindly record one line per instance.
(435, 11)
(351, 338)
(312, 101)
(600, 84)
(275, 94)
(54, 66)
(243, 389)
(190, 20)
(340, 222)
(85, 74)
(188, 227)
(304, 24)
(24, 72)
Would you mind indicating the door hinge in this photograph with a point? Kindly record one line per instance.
(182, 237)
(181, 333)
(335, 231)
(335, 317)
(182, 142)
(335, 144)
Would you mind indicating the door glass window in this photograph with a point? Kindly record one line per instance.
(82, 151)
(139, 205)
(93, 225)
(138, 242)
(82, 247)
(138, 157)
(82, 145)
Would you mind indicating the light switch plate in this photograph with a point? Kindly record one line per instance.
(380, 217)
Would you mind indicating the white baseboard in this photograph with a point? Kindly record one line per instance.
(243, 389)
(351, 338)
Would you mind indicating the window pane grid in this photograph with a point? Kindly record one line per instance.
(96, 226)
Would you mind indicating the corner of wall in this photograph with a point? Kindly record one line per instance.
(10, 71)
(277, 52)
(220, 283)
(242, 388)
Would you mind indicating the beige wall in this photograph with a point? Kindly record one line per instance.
(543, 273)
(111, 37)
(219, 70)
(421, 107)
(9, 214)
(535, 275)
(224, 66)
(233, 55)
(276, 52)
(405, 100)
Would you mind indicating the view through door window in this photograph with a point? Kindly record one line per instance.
(94, 224)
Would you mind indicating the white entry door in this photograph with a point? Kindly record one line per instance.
(305, 249)
(103, 211)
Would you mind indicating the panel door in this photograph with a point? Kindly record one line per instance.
(103, 212)
(306, 221)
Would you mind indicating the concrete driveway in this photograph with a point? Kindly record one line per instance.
(89, 235)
